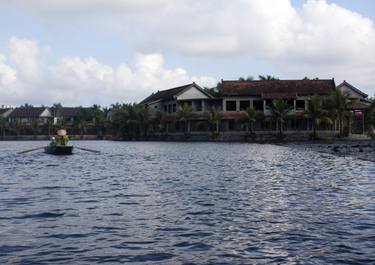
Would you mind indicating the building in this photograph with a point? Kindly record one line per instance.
(4, 112)
(234, 98)
(29, 115)
(237, 96)
(359, 103)
(69, 115)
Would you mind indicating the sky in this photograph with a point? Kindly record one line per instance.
(84, 52)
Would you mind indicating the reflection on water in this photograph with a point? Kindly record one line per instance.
(185, 203)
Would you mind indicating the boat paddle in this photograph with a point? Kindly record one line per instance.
(86, 149)
(30, 150)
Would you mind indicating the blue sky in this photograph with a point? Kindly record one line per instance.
(82, 52)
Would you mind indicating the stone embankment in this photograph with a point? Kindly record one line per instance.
(364, 149)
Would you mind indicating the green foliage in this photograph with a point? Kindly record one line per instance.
(337, 105)
(251, 115)
(214, 91)
(213, 118)
(280, 110)
(268, 77)
(184, 114)
(316, 113)
(160, 118)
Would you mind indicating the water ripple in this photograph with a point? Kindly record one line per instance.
(185, 203)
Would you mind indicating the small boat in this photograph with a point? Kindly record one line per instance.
(58, 149)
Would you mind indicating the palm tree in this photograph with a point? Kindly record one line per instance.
(267, 77)
(34, 126)
(49, 125)
(184, 114)
(143, 119)
(213, 118)
(80, 122)
(316, 113)
(337, 104)
(250, 118)
(280, 109)
(15, 125)
(2, 125)
(161, 122)
(99, 118)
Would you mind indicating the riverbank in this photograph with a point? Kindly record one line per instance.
(361, 149)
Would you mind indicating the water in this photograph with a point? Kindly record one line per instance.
(185, 203)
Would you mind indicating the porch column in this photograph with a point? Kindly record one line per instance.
(224, 105)
(203, 105)
(363, 122)
(237, 105)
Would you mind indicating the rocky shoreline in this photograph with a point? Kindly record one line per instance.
(363, 149)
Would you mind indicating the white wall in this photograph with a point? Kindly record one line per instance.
(191, 93)
(352, 93)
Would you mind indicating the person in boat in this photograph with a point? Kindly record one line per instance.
(61, 137)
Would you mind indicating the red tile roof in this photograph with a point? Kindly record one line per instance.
(358, 106)
(285, 88)
(27, 112)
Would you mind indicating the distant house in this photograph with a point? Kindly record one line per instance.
(4, 112)
(28, 115)
(168, 100)
(354, 93)
(68, 115)
(358, 105)
(236, 96)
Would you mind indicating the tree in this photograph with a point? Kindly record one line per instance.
(316, 113)
(80, 122)
(143, 119)
(15, 125)
(184, 114)
(34, 127)
(337, 105)
(99, 118)
(49, 125)
(280, 109)
(161, 122)
(249, 78)
(2, 125)
(213, 118)
(251, 115)
(268, 77)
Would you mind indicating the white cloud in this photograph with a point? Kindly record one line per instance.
(318, 39)
(82, 81)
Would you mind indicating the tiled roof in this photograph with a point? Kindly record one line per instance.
(286, 88)
(2, 111)
(69, 112)
(171, 93)
(165, 94)
(352, 88)
(358, 106)
(27, 112)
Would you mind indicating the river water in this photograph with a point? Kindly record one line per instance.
(185, 203)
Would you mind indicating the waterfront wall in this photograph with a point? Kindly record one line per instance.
(44, 137)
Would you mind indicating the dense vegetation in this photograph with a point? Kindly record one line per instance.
(133, 121)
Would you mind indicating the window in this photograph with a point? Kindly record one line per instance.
(290, 103)
(258, 105)
(174, 108)
(169, 108)
(231, 125)
(165, 108)
(244, 104)
(231, 105)
(268, 103)
(300, 104)
(198, 105)
(155, 107)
